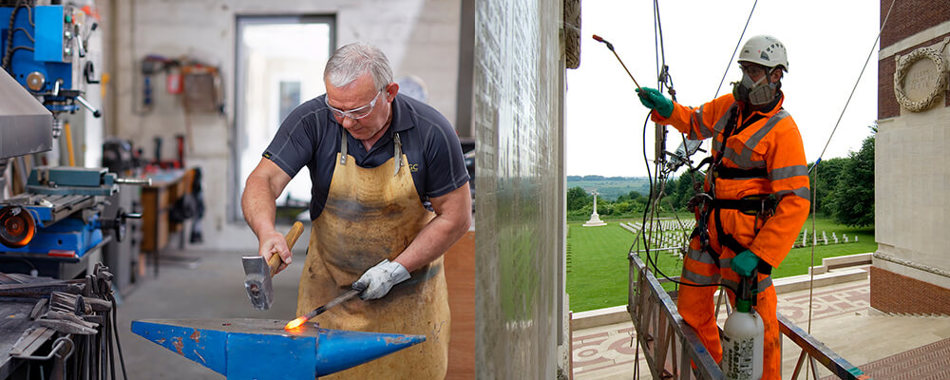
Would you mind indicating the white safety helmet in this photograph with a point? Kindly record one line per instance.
(767, 51)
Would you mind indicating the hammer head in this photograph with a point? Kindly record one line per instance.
(257, 282)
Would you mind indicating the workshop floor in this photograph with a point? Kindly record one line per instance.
(213, 287)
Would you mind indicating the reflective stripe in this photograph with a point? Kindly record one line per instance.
(721, 123)
(704, 130)
(758, 135)
(762, 286)
(788, 172)
(725, 263)
(802, 192)
(701, 256)
(743, 161)
(699, 279)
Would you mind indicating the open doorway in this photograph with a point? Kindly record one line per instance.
(280, 62)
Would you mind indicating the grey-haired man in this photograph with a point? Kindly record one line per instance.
(390, 195)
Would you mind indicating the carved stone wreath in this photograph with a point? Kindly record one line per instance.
(904, 63)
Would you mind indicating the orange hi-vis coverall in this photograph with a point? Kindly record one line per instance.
(762, 155)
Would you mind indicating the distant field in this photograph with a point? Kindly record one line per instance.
(597, 269)
(610, 188)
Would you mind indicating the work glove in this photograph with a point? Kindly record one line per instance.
(744, 263)
(376, 282)
(654, 99)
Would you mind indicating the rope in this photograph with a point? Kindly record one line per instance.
(814, 197)
(853, 89)
(721, 81)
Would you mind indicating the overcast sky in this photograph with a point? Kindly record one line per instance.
(827, 42)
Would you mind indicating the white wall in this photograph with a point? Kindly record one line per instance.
(419, 36)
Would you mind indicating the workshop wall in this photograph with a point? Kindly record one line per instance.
(519, 76)
(420, 38)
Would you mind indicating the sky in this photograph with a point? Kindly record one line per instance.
(827, 42)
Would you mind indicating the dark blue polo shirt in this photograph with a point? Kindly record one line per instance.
(311, 136)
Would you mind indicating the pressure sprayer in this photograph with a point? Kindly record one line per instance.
(743, 336)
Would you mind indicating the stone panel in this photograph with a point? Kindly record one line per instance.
(518, 80)
(887, 103)
(910, 213)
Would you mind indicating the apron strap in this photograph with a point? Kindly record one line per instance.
(397, 143)
(342, 146)
(397, 154)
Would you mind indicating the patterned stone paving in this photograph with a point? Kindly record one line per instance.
(608, 353)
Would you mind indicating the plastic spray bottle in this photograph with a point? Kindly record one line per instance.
(743, 337)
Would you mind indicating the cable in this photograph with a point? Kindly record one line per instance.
(115, 328)
(870, 53)
(815, 190)
(721, 81)
(25, 32)
(6, 53)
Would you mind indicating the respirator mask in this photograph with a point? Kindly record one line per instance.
(756, 93)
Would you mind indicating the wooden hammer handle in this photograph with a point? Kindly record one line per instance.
(295, 231)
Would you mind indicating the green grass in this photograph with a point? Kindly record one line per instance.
(597, 269)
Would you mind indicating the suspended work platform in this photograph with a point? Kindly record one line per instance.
(669, 345)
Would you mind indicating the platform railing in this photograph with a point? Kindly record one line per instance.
(673, 350)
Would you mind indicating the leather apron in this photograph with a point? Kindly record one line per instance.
(373, 214)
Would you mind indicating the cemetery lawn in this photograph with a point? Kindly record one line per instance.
(598, 269)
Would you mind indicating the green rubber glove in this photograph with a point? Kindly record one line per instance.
(744, 263)
(654, 99)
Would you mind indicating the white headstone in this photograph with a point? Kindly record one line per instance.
(855, 238)
(834, 237)
(845, 237)
(824, 237)
(805, 239)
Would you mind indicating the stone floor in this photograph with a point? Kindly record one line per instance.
(841, 319)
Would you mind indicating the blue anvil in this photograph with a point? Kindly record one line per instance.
(262, 349)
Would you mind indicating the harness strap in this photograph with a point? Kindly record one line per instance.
(734, 173)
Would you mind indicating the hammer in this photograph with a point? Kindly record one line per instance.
(258, 273)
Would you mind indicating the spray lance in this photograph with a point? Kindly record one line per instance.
(743, 335)
(686, 148)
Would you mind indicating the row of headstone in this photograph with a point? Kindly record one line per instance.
(661, 238)
(824, 238)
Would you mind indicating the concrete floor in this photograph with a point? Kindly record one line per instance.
(211, 288)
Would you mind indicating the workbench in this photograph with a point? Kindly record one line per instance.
(158, 199)
(63, 268)
(16, 320)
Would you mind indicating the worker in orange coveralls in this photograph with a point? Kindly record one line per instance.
(756, 192)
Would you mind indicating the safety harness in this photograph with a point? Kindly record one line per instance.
(704, 203)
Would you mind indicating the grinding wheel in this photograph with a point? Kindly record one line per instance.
(16, 226)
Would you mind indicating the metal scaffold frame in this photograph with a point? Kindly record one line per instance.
(670, 345)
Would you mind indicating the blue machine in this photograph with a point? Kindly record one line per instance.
(45, 54)
(262, 349)
(59, 217)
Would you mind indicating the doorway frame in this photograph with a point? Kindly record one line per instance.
(241, 21)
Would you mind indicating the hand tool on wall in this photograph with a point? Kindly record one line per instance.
(258, 273)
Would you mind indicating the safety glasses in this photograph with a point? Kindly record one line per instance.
(355, 113)
(752, 70)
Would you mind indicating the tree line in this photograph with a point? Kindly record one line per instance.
(845, 191)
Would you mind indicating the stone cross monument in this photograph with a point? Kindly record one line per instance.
(594, 218)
